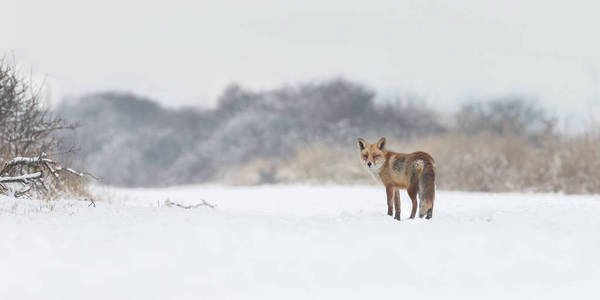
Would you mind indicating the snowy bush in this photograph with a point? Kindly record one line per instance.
(29, 140)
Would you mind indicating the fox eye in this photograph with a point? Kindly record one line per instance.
(376, 156)
(365, 156)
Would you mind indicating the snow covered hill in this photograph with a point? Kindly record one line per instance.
(299, 242)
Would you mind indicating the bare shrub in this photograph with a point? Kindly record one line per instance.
(29, 141)
(492, 163)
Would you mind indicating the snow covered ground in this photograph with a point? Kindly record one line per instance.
(299, 242)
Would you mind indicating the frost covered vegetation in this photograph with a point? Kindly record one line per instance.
(29, 142)
(307, 133)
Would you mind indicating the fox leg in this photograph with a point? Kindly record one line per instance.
(412, 193)
(389, 190)
(397, 203)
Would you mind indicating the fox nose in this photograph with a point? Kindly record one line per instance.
(369, 164)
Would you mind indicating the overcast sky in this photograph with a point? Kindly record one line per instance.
(186, 52)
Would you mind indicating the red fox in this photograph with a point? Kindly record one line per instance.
(415, 172)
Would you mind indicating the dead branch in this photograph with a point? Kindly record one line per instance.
(43, 168)
(24, 179)
(18, 194)
(25, 161)
(170, 203)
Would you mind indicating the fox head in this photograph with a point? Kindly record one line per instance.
(372, 156)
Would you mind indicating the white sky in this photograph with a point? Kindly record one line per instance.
(186, 52)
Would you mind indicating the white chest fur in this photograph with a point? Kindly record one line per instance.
(375, 173)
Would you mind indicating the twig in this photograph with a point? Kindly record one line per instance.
(170, 203)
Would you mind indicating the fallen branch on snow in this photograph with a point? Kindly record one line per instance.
(170, 203)
(36, 175)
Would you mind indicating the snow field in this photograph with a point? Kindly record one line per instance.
(298, 242)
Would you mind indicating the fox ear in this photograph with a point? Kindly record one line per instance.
(361, 144)
(381, 143)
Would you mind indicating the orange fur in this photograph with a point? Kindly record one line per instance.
(414, 172)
